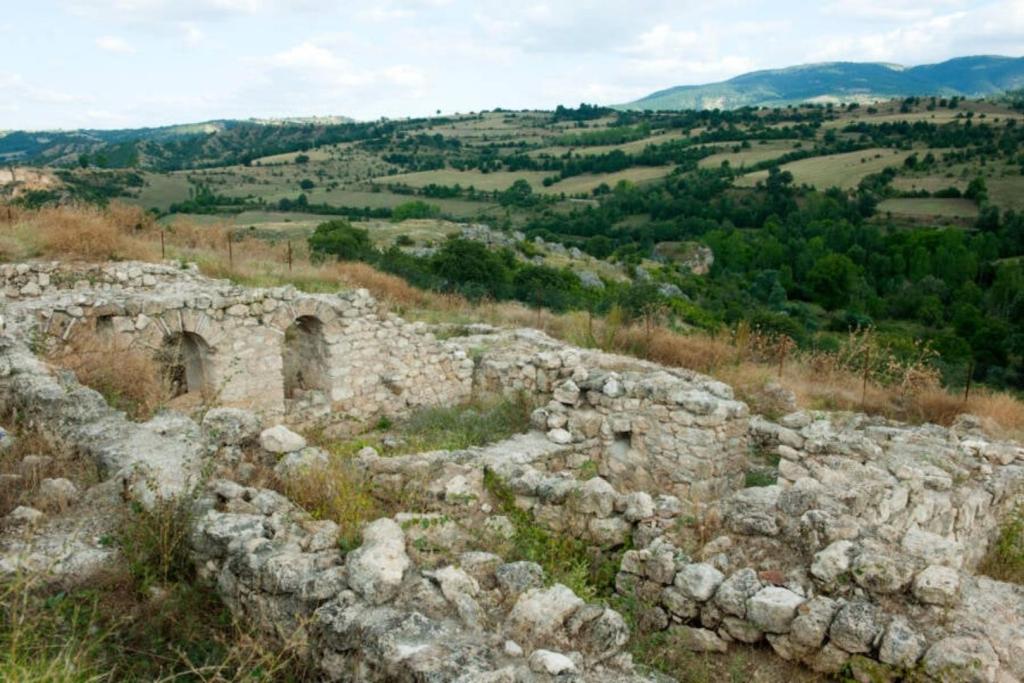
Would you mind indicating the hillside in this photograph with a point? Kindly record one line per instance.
(844, 82)
(171, 147)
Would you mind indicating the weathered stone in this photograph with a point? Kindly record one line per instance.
(733, 593)
(24, 516)
(901, 645)
(752, 511)
(518, 577)
(679, 604)
(551, 663)
(560, 436)
(857, 627)
(300, 462)
(697, 639)
(57, 494)
(772, 609)
(376, 568)
(231, 426)
(698, 581)
(812, 621)
(540, 616)
(597, 498)
(881, 572)
(832, 562)
(280, 439)
(639, 506)
(937, 585)
(742, 630)
(961, 660)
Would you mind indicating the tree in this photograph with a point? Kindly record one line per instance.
(520, 194)
(473, 269)
(342, 240)
(414, 209)
(307, 184)
(832, 280)
(977, 190)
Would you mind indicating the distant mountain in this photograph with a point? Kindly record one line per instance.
(844, 82)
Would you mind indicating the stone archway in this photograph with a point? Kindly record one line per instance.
(304, 358)
(186, 360)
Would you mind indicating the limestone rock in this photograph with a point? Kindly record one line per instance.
(856, 627)
(24, 516)
(597, 498)
(937, 585)
(832, 562)
(518, 577)
(697, 639)
(812, 621)
(752, 511)
(299, 462)
(639, 506)
(698, 581)
(376, 568)
(881, 572)
(540, 616)
(961, 660)
(57, 493)
(551, 663)
(560, 436)
(901, 645)
(280, 439)
(733, 593)
(231, 426)
(772, 609)
(567, 393)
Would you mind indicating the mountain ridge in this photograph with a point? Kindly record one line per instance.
(840, 82)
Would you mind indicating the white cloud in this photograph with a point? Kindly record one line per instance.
(115, 44)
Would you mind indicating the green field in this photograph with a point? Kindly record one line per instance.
(755, 154)
(502, 180)
(835, 170)
(929, 206)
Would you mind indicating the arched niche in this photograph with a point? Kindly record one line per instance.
(186, 360)
(304, 358)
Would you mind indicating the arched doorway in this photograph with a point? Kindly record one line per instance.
(186, 360)
(304, 358)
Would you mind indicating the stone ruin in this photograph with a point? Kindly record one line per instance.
(860, 559)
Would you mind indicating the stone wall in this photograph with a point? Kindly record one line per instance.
(646, 427)
(861, 556)
(231, 342)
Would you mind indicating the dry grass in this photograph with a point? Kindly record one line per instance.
(87, 233)
(19, 482)
(136, 383)
(337, 491)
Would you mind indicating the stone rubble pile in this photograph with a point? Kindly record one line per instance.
(375, 616)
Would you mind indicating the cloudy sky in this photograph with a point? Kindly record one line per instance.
(127, 63)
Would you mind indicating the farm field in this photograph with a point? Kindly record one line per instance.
(586, 183)
(930, 206)
(502, 180)
(656, 138)
(835, 170)
(487, 182)
(755, 154)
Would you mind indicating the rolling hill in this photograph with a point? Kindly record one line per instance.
(170, 147)
(844, 82)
